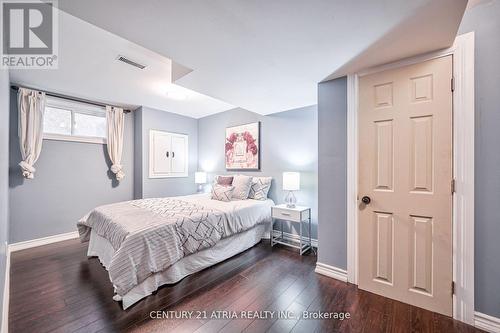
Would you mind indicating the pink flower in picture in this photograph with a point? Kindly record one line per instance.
(229, 147)
(242, 147)
(232, 138)
(252, 148)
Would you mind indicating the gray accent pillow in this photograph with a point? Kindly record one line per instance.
(260, 188)
(222, 193)
(241, 186)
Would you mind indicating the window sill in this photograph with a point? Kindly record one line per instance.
(72, 138)
(169, 175)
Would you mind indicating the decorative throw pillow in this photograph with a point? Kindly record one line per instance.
(242, 186)
(222, 193)
(224, 180)
(260, 188)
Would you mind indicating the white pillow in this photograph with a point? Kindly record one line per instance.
(260, 188)
(222, 193)
(241, 186)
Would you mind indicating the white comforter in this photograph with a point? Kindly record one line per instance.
(149, 235)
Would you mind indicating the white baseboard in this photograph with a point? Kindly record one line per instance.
(331, 271)
(487, 322)
(42, 241)
(6, 293)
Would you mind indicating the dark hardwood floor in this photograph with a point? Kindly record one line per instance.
(57, 288)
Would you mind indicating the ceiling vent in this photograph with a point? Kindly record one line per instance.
(130, 62)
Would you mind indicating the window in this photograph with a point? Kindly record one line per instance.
(74, 121)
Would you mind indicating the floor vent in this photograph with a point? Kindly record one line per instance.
(130, 62)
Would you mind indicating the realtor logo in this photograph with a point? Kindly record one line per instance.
(29, 38)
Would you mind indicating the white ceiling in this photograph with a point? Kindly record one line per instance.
(432, 30)
(264, 56)
(88, 69)
(268, 56)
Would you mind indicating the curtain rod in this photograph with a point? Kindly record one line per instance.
(75, 99)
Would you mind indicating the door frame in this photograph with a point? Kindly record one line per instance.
(462, 51)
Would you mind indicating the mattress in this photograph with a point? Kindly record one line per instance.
(224, 249)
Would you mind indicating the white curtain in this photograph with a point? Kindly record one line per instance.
(31, 107)
(115, 120)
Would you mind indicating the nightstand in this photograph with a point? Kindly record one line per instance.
(298, 214)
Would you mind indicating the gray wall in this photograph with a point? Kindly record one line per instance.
(148, 119)
(71, 179)
(332, 171)
(484, 20)
(288, 143)
(4, 178)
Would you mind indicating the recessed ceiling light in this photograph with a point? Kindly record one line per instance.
(174, 92)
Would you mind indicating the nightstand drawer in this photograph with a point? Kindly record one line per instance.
(289, 214)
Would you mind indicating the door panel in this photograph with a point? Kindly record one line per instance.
(421, 154)
(384, 247)
(179, 157)
(405, 167)
(385, 157)
(421, 254)
(161, 162)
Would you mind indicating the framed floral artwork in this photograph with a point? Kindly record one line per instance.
(242, 147)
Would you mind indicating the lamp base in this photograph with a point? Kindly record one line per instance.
(290, 200)
(200, 188)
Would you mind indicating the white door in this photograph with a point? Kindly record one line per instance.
(162, 151)
(179, 151)
(405, 176)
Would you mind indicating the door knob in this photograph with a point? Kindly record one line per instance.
(366, 200)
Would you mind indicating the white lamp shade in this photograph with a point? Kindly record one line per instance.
(200, 177)
(291, 181)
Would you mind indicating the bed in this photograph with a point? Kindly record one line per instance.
(147, 243)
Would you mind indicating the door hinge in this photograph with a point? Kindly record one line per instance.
(453, 287)
(453, 189)
(452, 84)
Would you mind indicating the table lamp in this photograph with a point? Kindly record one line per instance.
(291, 182)
(200, 178)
